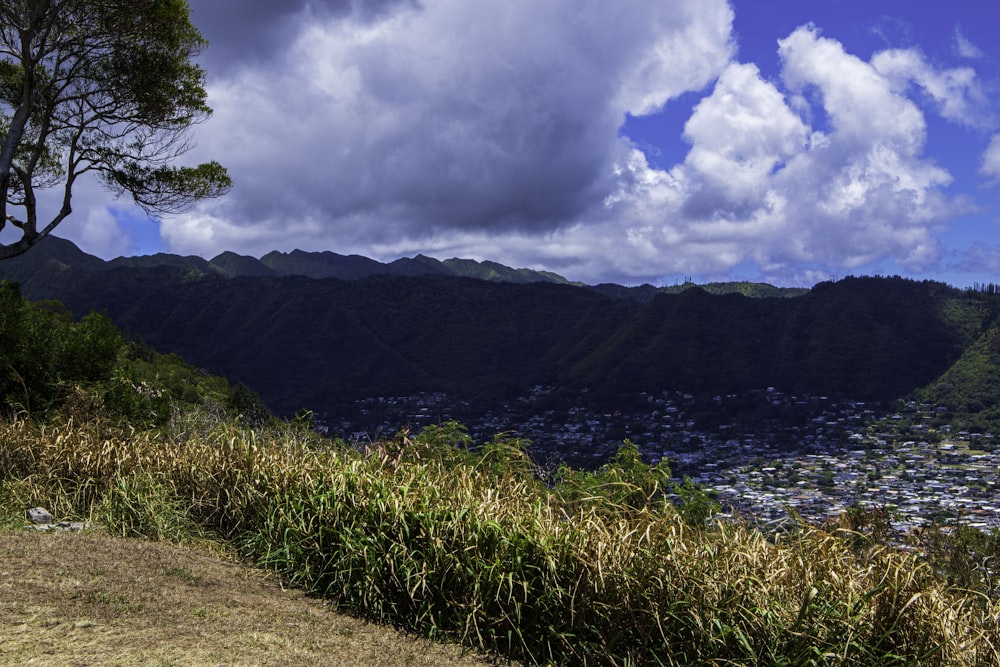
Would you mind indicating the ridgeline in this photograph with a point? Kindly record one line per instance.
(319, 330)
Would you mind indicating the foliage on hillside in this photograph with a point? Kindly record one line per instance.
(323, 344)
(862, 338)
(970, 389)
(43, 351)
(743, 288)
(51, 363)
(464, 541)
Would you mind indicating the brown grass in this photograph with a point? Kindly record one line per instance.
(495, 560)
(92, 599)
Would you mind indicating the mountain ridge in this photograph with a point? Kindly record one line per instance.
(323, 264)
(54, 254)
(323, 343)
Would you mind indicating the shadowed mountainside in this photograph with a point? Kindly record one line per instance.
(321, 342)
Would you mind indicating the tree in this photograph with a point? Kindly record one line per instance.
(102, 86)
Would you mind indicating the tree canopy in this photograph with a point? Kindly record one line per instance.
(103, 86)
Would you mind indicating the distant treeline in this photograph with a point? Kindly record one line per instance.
(985, 288)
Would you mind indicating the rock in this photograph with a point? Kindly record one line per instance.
(39, 516)
(71, 526)
(42, 520)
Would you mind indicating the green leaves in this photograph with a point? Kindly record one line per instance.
(165, 189)
(50, 363)
(148, 61)
(624, 483)
(43, 352)
(696, 504)
(104, 86)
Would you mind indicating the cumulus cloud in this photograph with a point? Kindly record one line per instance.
(245, 33)
(95, 225)
(101, 233)
(829, 172)
(955, 92)
(445, 117)
(492, 130)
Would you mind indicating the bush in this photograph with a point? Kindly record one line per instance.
(47, 358)
(697, 505)
(626, 482)
(44, 353)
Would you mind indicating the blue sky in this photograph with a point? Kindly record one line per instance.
(632, 141)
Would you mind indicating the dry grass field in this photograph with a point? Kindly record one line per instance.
(446, 543)
(90, 599)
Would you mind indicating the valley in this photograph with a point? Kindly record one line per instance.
(769, 456)
(879, 391)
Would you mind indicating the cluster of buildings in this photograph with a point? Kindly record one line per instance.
(768, 456)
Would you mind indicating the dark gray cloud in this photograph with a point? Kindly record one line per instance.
(483, 129)
(247, 32)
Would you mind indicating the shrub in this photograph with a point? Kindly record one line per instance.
(44, 353)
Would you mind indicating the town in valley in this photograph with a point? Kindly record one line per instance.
(808, 456)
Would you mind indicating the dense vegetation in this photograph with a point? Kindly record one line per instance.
(463, 541)
(324, 343)
(971, 387)
(51, 364)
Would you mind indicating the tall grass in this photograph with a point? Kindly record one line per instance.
(457, 549)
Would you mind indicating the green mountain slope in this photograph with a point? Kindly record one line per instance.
(867, 337)
(322, 343)
(971, 387)
(230, 265)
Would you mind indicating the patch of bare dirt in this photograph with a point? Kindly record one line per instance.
(90, 599)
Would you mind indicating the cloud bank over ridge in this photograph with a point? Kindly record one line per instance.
(494, 130)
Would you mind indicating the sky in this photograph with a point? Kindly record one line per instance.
(628, 141)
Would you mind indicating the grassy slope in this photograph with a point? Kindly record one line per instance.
(971, 387)
(94, 599)
(470, 549)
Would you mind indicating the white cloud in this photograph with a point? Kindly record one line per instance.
(94, 225)
(991, 160)
(491, 130)
(741, 134)
(759, 184)
(101, 234)
(955, 92)
(691, 46)
(446, 118)
(860, 102)
(964, 48)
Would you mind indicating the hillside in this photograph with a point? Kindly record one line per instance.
(429, 531)
(322, 343)
(470, 547)
(972, 385)
(55, 255)
(869, 338)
